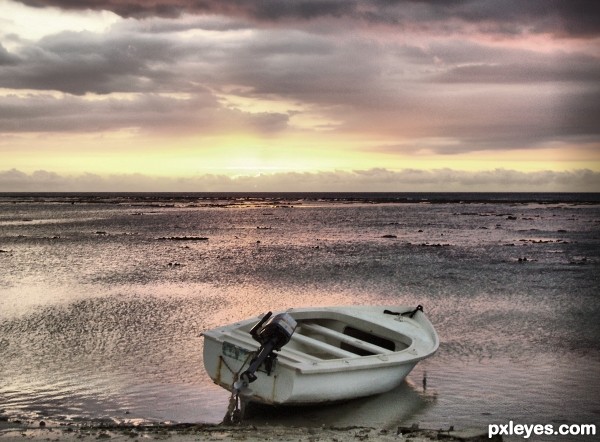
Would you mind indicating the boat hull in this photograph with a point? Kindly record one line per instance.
(318, 364)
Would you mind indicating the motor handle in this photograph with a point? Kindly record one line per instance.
(254, 330)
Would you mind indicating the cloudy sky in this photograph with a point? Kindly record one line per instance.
(226, 95)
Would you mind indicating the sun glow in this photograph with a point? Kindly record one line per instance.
(127, 152)
(215, 92)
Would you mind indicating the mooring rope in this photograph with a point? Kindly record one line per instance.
(234, 414)
(410, 313)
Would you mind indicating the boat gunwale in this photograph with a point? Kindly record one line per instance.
(310, 366)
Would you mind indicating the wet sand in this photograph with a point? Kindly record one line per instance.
(196, 432)
(41, 431)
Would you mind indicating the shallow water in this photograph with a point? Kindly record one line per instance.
(103, 300)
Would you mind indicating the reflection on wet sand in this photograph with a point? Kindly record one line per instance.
(386, 410)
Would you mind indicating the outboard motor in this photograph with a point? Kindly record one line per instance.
(272, 333)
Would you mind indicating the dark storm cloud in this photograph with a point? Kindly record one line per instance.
(392, 89)
(577, 18)
(261, 9)
(151, 67)
(136, 59)
(581, 112)
(83, 62)
(42, 113)
(151, 112)
(486, 96)
(531, 69)
(6, 58)
(306, 68)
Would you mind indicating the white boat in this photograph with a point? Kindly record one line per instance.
(333, 354)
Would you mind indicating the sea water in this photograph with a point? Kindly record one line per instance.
(103, 299)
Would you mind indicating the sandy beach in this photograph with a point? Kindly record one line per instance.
(41, 431)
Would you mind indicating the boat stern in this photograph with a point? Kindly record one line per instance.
(225, 360)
